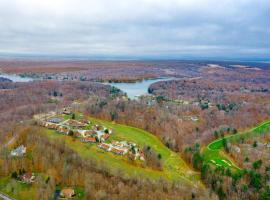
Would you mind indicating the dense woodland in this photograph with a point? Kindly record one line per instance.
(65, 167)
(20, 101)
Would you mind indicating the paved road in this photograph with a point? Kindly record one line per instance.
(2, 196)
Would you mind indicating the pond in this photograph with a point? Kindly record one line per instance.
(16, 78)
(136, 89)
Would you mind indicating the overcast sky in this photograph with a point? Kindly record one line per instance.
(136, 28)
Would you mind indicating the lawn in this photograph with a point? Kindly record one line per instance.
(23, 191)
(17, 190)
(214, 152)
(174, 168)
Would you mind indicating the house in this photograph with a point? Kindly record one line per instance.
(98, 127)
(105, 137)
(67, 193)
(19, 151)
(28, 177)
(142, 156)
(86, 133)
(50, 125)
(66, 111)
(104, 146)
(194, 118)
(90, 140)
(55, 120)
(119, 151)
(63, 130)
(84, 121)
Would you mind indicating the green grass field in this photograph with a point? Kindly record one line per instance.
(23, 191)
(214, 153)
(17, 190)
(174, 168)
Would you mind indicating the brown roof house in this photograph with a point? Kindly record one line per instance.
(67, 193)
(86, 133)
(90, 140)
(106, 147)
(28, 177)
(119, 151)
(105, 137)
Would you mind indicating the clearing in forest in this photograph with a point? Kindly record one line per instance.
(214, 152)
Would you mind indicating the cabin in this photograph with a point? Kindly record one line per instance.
(63, 130)
(67, 193)
(66, 111)
(90, 140)
(105, 146)
(19, 151)
(105, 137)
(86, 133)
(28, 177)
(119, 151)
(84, 121)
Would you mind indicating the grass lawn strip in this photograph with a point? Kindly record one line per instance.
(214, 153)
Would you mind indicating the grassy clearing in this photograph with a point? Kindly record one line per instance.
(17, 190)
(174, 168)
(214, 153)
(23, 191)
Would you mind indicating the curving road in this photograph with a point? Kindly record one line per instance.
(3, 196)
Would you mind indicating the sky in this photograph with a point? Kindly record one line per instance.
(129, 29)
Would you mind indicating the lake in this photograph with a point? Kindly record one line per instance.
(16, 78)
(133, 90)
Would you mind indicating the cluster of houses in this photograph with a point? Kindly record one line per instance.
(122, 148)
(91, 134)
(98, 133)
(78, 128)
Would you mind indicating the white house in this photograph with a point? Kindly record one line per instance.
(19, 151)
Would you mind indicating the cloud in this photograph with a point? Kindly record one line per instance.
(136, 28)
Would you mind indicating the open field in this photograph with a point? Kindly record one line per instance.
(214, 153)
(174, 168)
(17, 190)
(23, 191)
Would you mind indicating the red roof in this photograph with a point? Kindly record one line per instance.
(117, 151)
(106, 136)
(104, 146)
(90, 139)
